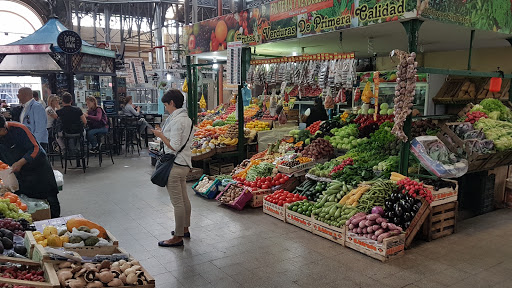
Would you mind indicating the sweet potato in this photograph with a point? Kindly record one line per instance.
(372, 217)
(351, 226)
(380, 231)
(384, 225)
(356, 221)
(375, 227)
(362, 224)
(369, 223)
(381, 220)
(383, 236)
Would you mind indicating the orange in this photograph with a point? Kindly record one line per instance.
(23, 207)
(12, 199)
(221, 31)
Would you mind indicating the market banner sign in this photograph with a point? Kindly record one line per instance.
(285, 19)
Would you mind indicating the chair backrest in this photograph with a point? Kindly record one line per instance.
(129, 122)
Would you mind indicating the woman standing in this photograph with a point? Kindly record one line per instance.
(96, 122)
(175, 134)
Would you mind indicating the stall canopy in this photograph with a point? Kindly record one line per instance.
(40, 53)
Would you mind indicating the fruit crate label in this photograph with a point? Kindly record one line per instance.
(274, 210)
(389, 247)
(329, 232)
(299, 220)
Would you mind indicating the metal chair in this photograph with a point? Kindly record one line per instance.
(104, 147)
(75, 150)
(130, 128)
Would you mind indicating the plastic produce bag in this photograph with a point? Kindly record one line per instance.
(436, 158)
(59, 178)
(84, 235)
(246, 95)
(9, 179)
(34, 205)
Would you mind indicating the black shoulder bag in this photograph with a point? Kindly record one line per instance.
(164, 165)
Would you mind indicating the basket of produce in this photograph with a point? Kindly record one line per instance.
(234, 196)
(274, 204)
(299, 164)
(17, 272)
(224, 149)
(206, 155)
(121, 273)
(207, 186)
(299, 214)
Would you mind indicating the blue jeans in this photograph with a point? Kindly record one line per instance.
(91, 135)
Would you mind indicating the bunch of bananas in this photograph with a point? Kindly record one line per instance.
(226, 141)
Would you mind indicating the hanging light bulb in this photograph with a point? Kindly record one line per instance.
(168, 76)
(215, 66)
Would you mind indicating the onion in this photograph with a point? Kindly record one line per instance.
(378, 210)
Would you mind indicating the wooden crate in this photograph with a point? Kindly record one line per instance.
(391, 248)
(274, 210)
(257, 197)
(149, 278)
(329, 232)
(448, 91)
(297, 219)
(49, 273)
(444, 195)
(204, 156)
(300, 167)
(30, 244)
(417, 222)
(441, 221)
(194, 174)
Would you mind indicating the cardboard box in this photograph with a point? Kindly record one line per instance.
(389, 249)
(274, 210)
(329, 232)
(43, 214)
(299, 220)
(218, 169)
(257, 197)
(54, 222)
(444, 195)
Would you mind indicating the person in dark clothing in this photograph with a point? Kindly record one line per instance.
(318, 113)
(20, 150)
(72, 118)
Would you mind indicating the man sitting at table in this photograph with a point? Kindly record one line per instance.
(130, 111)
(71, 118)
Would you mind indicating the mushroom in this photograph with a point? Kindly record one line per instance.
(122, 262)
(76, 283)
(91, 267)
(136, 267)
(115, 283)
(131, 279)
(76, 269)
(104, 264)
(125, 266)
(129, 271)
(106, 276)
(90, 276)
(116, 273)
(139, 274)
(135, 262)
(115, 264)
(80, 273)
(141, 282)
(95, 284)
(122, 277)
(65, 265)
(64, 275)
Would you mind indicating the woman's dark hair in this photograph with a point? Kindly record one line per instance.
(175, 96)
(127, 100)
(2, 121)
(318, 101)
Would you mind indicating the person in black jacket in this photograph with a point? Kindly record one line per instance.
(318, 113)
(20, 150)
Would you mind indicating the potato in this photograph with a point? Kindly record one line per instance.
(465, 86)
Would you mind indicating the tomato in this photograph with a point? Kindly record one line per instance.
(280, 203)
(268, 178)
(286, 178)
(264, 187)
(282, 181)
(278, 176)
(282, 198)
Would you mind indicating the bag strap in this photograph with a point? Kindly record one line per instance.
(183, 147)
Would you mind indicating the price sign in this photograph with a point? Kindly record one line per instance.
(234, 73)
(69, 41)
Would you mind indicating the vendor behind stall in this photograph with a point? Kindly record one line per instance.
(20, 150)
(318, 113)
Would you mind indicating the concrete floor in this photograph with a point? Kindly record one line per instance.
(251, 249)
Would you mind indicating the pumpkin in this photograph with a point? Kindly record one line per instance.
(77, 222)
(54, 241)
(299, 144)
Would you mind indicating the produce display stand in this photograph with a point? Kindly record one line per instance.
(49, 273)
(240, 201)
(390, 248)
(257, 197)
(297, 219)
(444, 195)
(417, 222)
(295, 169)
(441, 221)
(477, 162)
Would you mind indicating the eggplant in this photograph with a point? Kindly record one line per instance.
(407, 224)
(394, 197)
(388, 205)
(402, 202)
(397, 221)
(399, 212)
(415, 208)
(407, 216)
(401, 196)
(391, 215)
(407, 207)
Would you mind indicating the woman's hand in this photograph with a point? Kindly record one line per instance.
(16, 167)
(158, 133)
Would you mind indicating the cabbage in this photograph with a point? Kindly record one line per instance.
(493, 105)
(495, 115)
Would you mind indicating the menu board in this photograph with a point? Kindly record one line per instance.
(136, 71)
(234, 73)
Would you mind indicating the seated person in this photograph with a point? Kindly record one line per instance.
(130, 110)
(71, 118)
(97, 122)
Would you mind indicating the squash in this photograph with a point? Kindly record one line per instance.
(77, 222)
(299, 144)
(54, 241)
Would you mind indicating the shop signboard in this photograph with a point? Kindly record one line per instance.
(69, 42)
(287, 19)
(95, 64)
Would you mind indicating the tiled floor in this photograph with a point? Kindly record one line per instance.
(251, 249)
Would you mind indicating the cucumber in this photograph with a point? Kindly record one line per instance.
(337, 213)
